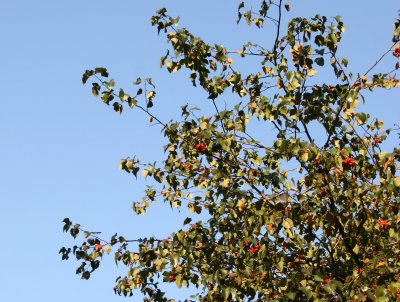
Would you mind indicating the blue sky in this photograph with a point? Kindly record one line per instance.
(60, 147)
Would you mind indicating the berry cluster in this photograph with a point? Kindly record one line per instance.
(349, 162)
(201, 147)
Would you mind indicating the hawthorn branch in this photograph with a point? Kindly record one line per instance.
(278, 26)
(374, 65)
(353, 86)
(342, 232)
(217, 110)
(341, 68)
(138, 106)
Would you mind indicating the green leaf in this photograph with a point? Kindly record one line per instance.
(226, 291)
(291, 295)
(110, 85)
(280, 265)
(307, 292)
(132, 102)
(356, 249)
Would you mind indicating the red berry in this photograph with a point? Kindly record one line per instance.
(98, 247)
(349, 162)
(396, 52)
(377, 140)
(254, 249)
(384, 224)
(201, 147)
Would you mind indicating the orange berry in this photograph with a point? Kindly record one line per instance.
(384, 224)
(380, 264)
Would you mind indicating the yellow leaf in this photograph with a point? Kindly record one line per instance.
(396, 181)
(311, 72)
(191, 207)
(225, 183)
(228, 61)
(107, 249)
(288, 223)
(240, 205)
(304, 157)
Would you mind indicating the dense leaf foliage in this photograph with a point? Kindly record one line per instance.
(309, 215)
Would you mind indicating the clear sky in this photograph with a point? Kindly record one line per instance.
(60, 147)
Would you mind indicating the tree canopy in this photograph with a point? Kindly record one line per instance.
(290, 194)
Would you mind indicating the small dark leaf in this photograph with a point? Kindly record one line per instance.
(95, 264)
(102, 71)
(161, 11)
(87, 75)
(95, 89)
(320, 61)
(117, 107)
(86, 275)
(138, 81)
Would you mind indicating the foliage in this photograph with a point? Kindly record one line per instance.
(312, 216)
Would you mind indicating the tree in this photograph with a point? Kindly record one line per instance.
(304, 218)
